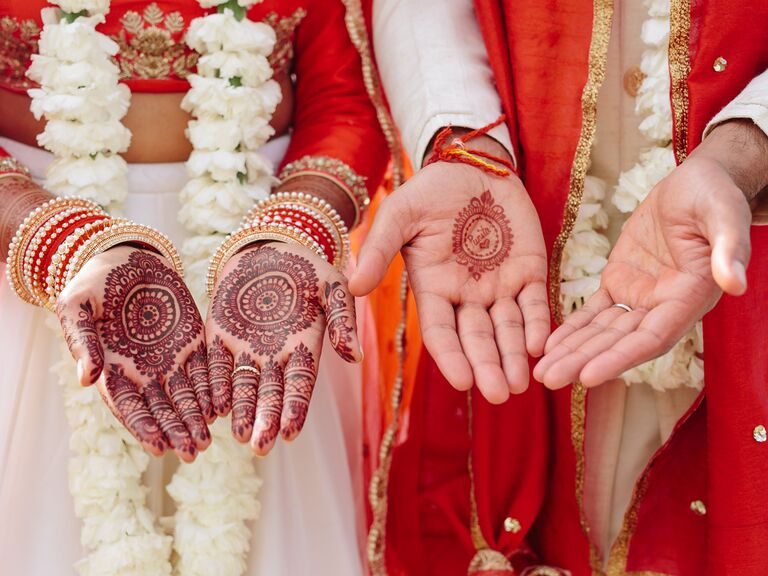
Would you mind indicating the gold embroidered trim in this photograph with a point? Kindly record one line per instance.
(680, 69)
(18, 41)
(378, 489)
(598, 53)
(284, 28)
(359, 36)
(152, 45)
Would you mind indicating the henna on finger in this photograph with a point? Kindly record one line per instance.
(269, 296)
(299, 378)
(149, 315)
(269, 407)
(82, 335)
(340, 320)
(184, 401)
(197, 372)
(244, 391)
(133, 410)
(173, 428)
(482, 237)
(220, 366)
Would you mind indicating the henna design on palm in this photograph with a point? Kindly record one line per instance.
(244, 391)
(269, 296)
(482, 237)
(132, 409)
(82, 333)
(220, 364)
(299, 381)
(269, 404)
(197, 370)
(339, 328)
(149, 314)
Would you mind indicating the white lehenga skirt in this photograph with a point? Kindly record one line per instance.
(312, 515)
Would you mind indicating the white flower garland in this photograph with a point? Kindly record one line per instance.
(232, 99)
(585, 251)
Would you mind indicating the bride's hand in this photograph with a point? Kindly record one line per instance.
(131, 324)
(265, 331)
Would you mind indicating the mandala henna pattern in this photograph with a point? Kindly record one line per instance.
(197, 370)
(183, 398)
(220, 363)
(339, 327)
(269, 403)
(133, 410)
(299, 381)
(149, 314)
(244, 385)
(269, 296)
(173, 428)
(482, 237)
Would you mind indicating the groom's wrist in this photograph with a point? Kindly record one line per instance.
(484, 143)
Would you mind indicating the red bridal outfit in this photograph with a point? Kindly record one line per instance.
(312, 516)
(638, 479)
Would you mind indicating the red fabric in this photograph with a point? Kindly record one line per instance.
(4, 153)
(333, 115)
(539, 55)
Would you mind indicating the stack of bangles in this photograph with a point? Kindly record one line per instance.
(293, 217)
(56, 240)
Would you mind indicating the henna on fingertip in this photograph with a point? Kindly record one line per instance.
(340, 316)
(269, 407)
(197, 372)
(299, 378)
(185, 403)
(133, 410)
(244, 394)
(173, 428)
(220, 366)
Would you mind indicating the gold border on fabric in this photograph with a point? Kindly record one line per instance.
(378, 490)
(598, 55)
(355, 22)
(679, 70)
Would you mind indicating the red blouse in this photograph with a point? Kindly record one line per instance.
(333, 115)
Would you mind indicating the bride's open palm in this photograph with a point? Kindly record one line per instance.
(476, 260)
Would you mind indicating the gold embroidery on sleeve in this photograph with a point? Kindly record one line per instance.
(18, 41)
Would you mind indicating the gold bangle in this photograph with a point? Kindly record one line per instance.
(248, 235)
(9, 167)
(27, 230)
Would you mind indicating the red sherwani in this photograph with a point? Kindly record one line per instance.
(527, 456)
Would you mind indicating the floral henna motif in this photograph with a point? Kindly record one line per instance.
(244, 385)
(220, 372)
(133, 410)
(270, 404)
(149, 314)
(339, 328)
(482, 236)
(197, 370)
(173, 428)
(83, 334)
(299, 381)
(183, 398)
(269, 296)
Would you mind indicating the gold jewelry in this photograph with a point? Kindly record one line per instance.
(246, 368)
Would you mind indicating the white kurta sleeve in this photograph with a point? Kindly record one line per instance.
(435, 70)
(751, 103)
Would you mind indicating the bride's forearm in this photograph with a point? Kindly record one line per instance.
(19, 196)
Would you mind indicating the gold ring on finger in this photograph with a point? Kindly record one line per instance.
(251, 369)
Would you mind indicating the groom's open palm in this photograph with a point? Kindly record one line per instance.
(475, 255)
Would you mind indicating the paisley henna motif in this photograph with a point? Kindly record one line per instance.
(268, 297)
(149, 315)
(338, 316)
(83, 333)
(482, 237)
(299, 381)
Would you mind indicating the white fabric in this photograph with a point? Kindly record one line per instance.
(312, 514)
(751, 103)
(435, 70)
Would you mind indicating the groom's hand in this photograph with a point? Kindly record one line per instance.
(475, 255)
